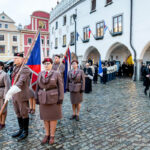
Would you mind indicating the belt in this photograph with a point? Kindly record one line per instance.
(46, 89)
(2, 86)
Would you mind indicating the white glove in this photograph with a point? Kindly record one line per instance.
(90, 77)
(13, 90)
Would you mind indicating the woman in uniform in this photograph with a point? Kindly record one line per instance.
(4, 87)
(76, 86)
(49, 95)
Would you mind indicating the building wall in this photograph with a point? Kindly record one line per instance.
(105, 46)
(30, 30)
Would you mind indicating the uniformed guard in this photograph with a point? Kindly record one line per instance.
(59, 66)
(49, 95)
(76, 86)
(4, 87)
(20, 95)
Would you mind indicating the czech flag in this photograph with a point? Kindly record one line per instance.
(34, 62)
(105, 27)
(67, 61)
(89, 32)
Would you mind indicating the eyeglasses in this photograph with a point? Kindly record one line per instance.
(47, 63)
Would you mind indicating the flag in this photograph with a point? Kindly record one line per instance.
(89, 32)
(100, 70)
(77, 36)
(67, 61)
(105, 27)
(34, 62)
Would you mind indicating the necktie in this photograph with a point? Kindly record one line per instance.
(46, 74)
(74, 72)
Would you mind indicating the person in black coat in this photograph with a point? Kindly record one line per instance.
(146, 81)
(95, 74)
(88, 78)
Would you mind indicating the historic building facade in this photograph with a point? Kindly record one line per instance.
(127, 33)
(38, 19)
(10, 38)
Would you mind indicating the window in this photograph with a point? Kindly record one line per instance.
(3, 17)
(42, 41)
(1, 37)
(47, 42)
(93, 5)
(14, 38)
(2, 48)
(48, 52)
(56, 27)
(64, 40)
(0, 25)
(56, 43)
(29, 40)
(6, 26)
(117, 24)
(14, 49)
(108, 2)
(100, 29)
(64, 20)
(72, 37)
(86, 33)
(71, 20)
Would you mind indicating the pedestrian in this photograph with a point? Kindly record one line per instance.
(146, 81)
(20, 95)
(95, 74)
(76, 86)
(49, 95)
(4, 87)
(105, 75)
(57, 66)
(88, 78)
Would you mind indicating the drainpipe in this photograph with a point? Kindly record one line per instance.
(131, 40)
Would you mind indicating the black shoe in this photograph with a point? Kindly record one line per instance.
(25, 129)
(77, 118)
(73, 117)
(23, 135)
(20, 122)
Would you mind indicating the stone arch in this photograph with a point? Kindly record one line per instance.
(118, 52)
(145, 54)
(93, 54)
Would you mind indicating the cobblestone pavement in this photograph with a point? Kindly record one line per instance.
(115, 116)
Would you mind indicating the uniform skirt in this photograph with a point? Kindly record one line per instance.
(76, 98)
(31, 93)
(50, 112)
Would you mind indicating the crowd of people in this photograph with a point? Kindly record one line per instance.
(49, 94)
(50, 88)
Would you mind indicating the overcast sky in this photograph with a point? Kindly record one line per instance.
(20, 10)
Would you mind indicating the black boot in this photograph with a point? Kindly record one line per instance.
(20, 122)
(25, 129)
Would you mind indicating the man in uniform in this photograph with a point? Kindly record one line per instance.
(59, 66)
(19, 93)
(4, 87)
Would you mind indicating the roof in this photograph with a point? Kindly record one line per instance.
(41, 14)
(6, 18)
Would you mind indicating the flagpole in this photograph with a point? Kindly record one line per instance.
(17, 76)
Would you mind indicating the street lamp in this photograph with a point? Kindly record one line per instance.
(74, 18)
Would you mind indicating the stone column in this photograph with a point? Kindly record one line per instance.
(139, 61)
